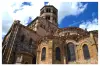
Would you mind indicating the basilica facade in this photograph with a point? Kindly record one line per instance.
(43, 42)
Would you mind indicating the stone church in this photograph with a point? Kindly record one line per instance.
(43, 42)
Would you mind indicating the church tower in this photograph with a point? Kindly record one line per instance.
(50, 13)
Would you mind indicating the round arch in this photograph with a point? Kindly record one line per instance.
(86, 51)
(43, 54)
(70, 52)
(58, 53)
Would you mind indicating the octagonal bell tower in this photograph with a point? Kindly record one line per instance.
(50, 13)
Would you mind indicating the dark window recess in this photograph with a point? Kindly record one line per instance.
(58, 56)
(86, 52)
(13, 57)
(34, 60)
(22, 38)
(48, 10)
(43, 56)
(70, 52)
(48, 17)
(30, 41)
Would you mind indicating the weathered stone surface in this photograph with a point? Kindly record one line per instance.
(45, 33)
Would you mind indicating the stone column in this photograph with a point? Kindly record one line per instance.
(38, 57)
(77, 53)
(93, 52)
(50, 52)
(81, 55)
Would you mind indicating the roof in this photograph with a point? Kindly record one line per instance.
(41, 21)
(72, 28)
(48, 6)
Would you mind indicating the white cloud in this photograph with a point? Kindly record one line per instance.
(74, 8)
(27, 11)
(90, 25)
(8, 16)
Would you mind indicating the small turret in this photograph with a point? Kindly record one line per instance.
(49, 12)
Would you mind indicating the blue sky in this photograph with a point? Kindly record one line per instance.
(78, 14)
(89, 14)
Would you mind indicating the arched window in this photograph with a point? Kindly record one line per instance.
(58, 57)
(86, 52)
(71, 52)
(43, 55)
(22, 38)
(47, 10)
